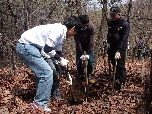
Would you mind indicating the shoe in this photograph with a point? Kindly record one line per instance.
(47, 109)
(122, 85)
(42, 108)
(91, 80)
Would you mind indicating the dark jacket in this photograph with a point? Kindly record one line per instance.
(118, 32)
(84, 40)
(48, 49)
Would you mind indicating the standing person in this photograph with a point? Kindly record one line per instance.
(118, 31)
(29, 48)
(84, 42)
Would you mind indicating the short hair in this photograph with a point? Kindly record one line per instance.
(84, 19)
(71, 22)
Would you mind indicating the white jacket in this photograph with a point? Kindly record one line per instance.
(50, 34)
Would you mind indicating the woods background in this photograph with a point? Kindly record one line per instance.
(17, 16)
(17, 83)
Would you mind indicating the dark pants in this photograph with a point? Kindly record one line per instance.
(120, 68)
(90, 63)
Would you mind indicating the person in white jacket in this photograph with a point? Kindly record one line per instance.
(29, 48)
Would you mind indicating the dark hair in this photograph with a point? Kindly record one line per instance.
(84, 19)
(71, 22)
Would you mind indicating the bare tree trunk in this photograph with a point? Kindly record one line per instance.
(128, 19)
(129, 11)
(101, 31)
(151, 80)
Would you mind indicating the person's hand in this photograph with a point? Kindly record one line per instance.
(63, 62)
(84, 57)
(108, 45)
(87, 57)
(117, 55)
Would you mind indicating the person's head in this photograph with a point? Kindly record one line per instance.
(84, 20)
(73, 25)
(115, 12)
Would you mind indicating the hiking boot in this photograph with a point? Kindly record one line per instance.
(91, 80)
(41, 108)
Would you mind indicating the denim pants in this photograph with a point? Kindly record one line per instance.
(90, 63)
(31, 56)
(55, 87)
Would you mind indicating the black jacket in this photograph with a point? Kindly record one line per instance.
(118, 32)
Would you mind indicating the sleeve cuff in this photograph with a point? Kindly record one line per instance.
(56, 56)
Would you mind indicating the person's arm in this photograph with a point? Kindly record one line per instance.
(59, 53)
(54, 43)
(91, 36)
(123, 42)
(108, 35)
(78, 44)
(51, 52)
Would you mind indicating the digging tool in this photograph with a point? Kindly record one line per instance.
(69, 81)
(109, 64)
(73, 101)
(114, 73)
(85, 64)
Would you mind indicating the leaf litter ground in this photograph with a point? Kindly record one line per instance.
(18, 91)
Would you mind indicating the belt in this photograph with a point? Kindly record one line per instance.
(32, 45)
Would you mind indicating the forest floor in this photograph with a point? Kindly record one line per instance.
(17, 91)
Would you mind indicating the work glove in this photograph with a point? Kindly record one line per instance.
(83, 57)
(87, 57)
(63, 62)
(52, 53)
(108, 45)
(117, 55)
(69, 79)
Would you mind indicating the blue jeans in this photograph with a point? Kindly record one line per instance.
(31, 56)
(55, 87)
(90, 63)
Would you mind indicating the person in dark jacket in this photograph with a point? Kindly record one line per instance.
(118, 31)
(84, 42)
